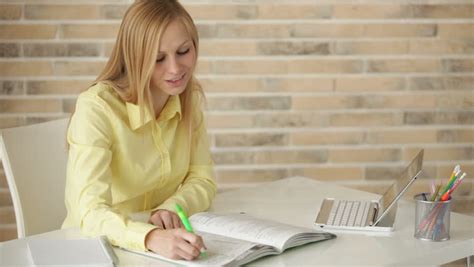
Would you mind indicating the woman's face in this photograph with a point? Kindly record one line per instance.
(175, 61)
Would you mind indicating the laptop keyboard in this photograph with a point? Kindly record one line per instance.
(348, 213)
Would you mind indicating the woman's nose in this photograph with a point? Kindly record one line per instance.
(173, 66)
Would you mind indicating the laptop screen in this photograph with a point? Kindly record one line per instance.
(402, 182)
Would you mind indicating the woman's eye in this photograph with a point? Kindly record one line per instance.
(160, 59)
(183, 52)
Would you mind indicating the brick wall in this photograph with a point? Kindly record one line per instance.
(332, 90)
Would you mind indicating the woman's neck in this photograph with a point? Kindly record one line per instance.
(159, 101)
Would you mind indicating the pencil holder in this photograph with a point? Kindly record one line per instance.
(432, 218)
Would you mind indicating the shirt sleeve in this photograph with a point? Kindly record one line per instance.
(90, 177)
(199, 187)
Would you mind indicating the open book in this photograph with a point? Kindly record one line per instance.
(236, 239)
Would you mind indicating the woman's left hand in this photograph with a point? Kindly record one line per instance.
(165, 219)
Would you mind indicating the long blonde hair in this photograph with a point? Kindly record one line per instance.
(131, 64)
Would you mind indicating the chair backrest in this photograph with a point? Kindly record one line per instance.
(34, 160)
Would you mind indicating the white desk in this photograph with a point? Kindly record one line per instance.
(296, 201)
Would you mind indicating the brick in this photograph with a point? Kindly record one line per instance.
(229, 121)
(243, 176)
(8, 232)
(285, 119)
(324, 102)
(9, 122)
(293, 11)
(251, 139)
(364, 101)
(436, 47)
(254, 30)
(325, 66)
(217, 11)
(40, 119)
(330, 174)
(27, 31)
(206, 30)
(3, 178)
(204, 66)
(291, 156)
(292, 48)
(441, 83)
(87, 31)
(402, 136)
(9, 50)
(369, 11)
(399, 30)
(369, 84)
(370, 47)
(44, 49)
(60, 12)
(108, 47)
(249, 103)
(404, 101)
(433, 117)
(223, 85)
(259, 66)
(78, 67)
(302, 138)
(55, 87)
(30, 105)
(11, 88)
(403, 65)
(69, 105)
(297, 84)
(458, 65)
(442, 153)
(455, 135)
(455, 11)
(10, 12)
(234, 157)
(365, 119)
(426, 83)
(83, 49)
(7, 215)
(459, 82)
(456, 31)
(25, 68)
(317, 30)
(5, 198)
(112, 11)
(232, 48)
(363, 155)
(458, 100)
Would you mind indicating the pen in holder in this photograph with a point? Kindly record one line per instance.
(432, 218)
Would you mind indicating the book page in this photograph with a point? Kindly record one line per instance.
(241, 226)
(220, 251)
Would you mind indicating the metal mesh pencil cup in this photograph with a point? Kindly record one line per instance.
(432, 218)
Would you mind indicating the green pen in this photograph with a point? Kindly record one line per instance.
(187, 225)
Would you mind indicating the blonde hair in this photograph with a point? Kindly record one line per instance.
(131, 64)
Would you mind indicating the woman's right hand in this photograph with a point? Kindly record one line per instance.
(177, 244)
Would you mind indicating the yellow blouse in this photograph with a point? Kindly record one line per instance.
(118, 165)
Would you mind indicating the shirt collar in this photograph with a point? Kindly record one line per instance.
(171, 108)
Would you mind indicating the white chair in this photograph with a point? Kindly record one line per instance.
(34, 159)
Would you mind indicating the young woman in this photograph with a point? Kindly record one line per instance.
(137, 138)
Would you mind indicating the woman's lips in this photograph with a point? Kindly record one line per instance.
(176, 82)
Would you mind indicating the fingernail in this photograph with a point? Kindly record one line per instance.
(203, 252)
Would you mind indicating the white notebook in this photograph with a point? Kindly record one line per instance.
(78, 252)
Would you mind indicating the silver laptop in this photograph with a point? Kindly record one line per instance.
(374, 215)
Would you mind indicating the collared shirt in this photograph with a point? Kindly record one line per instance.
(119, 164)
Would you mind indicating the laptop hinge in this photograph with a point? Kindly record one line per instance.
(373, 211)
